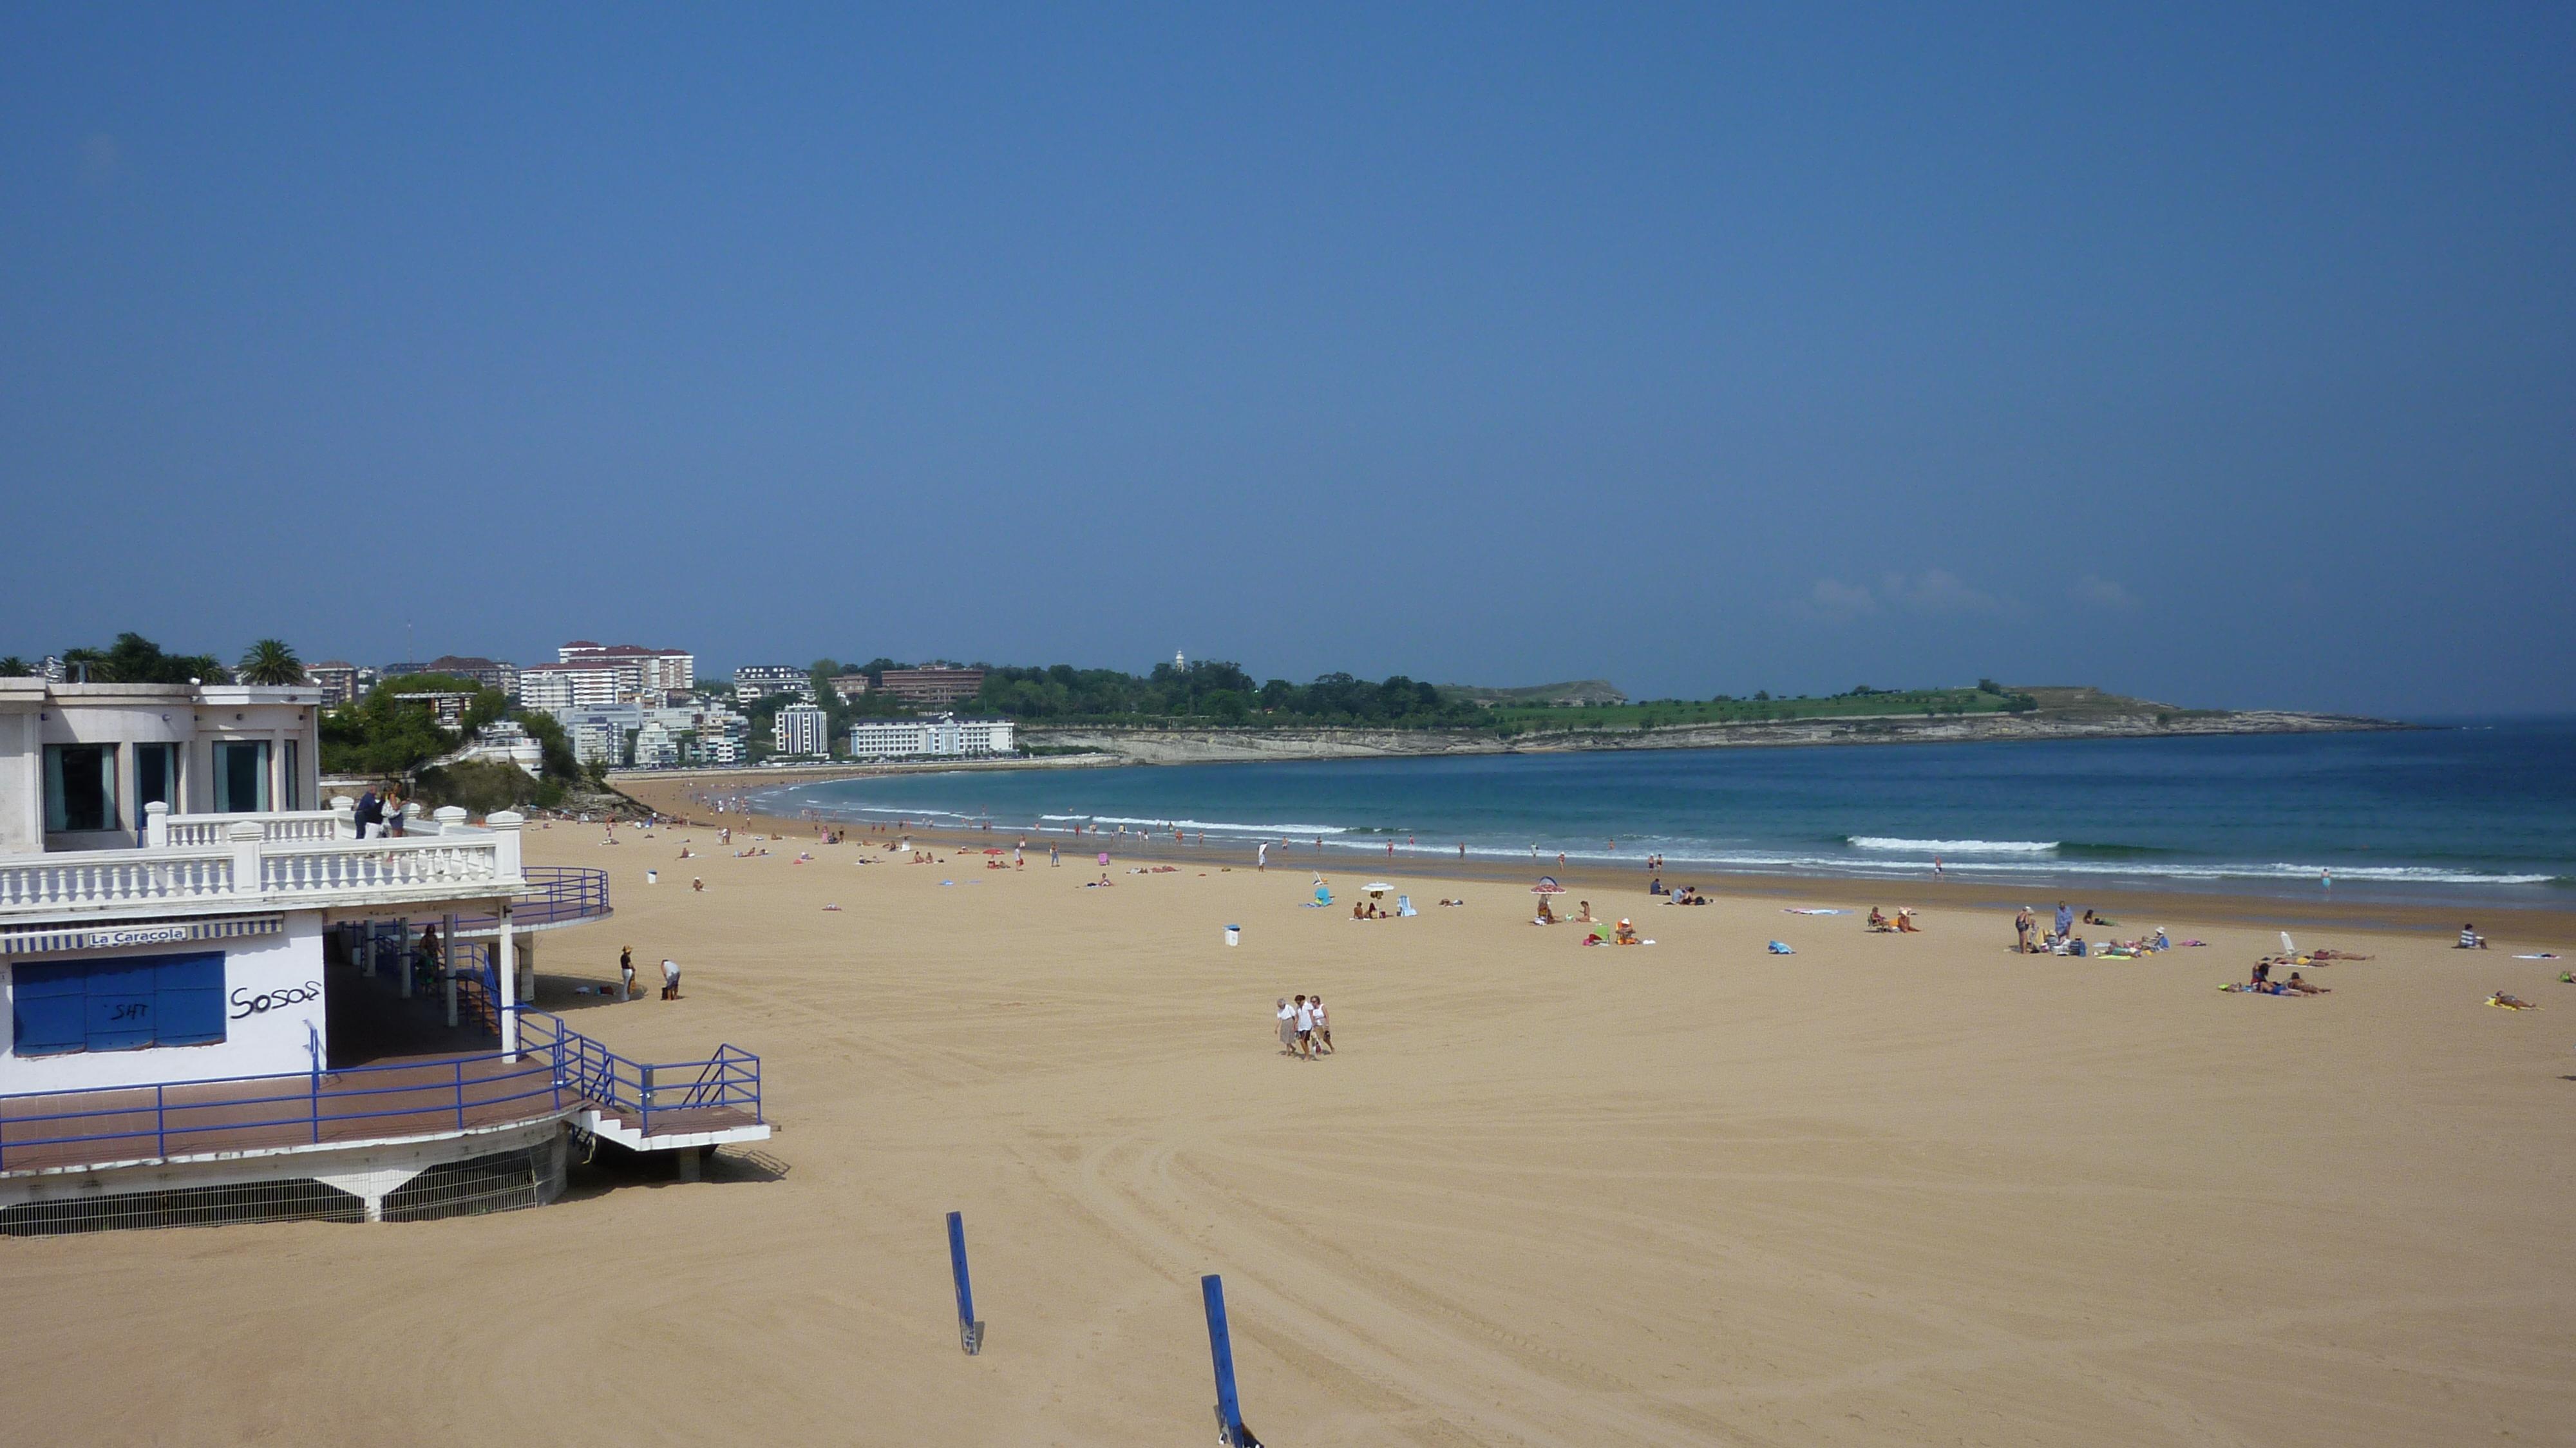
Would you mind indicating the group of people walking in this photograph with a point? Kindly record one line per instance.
(1305, 1031)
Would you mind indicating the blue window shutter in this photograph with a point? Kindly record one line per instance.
(188, 991)
(123, 1004)
(120, 1004)
(48, 1014)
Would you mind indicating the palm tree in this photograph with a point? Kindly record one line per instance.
(270, 661)
(14, 667)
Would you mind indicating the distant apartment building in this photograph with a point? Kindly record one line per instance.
(942, 737)
(933, 688)
(802, 729)
(490, 673)
(756, 681)
(338, 679)
(599, 733)
(656, 747)
(644, 671)
(724, 737)
(447, 706)
(850, 686)
(561, 688)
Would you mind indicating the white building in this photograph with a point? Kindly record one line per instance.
(504, 742)
(656, 747)
(173, 1002)
(80, 762)
(803, 729)
(724, 737)
(944, 736)
(649, 673)
(561, 688)
(756, 681)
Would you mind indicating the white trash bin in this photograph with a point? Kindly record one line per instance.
(1234, 935)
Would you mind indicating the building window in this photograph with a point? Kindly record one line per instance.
(80, 787)
(124, 1004)
(241, 776)
(156, 776)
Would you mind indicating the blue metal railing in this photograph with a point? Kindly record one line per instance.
(638, 1090)
(253, 1112)
(555, 893)
(557, 1066)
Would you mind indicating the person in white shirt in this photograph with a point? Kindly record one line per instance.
(1323, 1025)
(670, 980)
(1305, 1030)
(1287, 1027)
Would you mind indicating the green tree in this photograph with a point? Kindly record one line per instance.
(14, 667)
(270, 661)
(134, 659)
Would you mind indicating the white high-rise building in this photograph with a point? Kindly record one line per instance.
(643, 670)
(560, 688)
(803, 729)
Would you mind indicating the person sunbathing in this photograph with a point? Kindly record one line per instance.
(1878, 922)
(1545, 915)
(1585, 915)
(1905, 923)
(2511, 1002)
(1627, 934)
(2298, 985)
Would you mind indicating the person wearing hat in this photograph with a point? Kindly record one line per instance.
(1627, 933)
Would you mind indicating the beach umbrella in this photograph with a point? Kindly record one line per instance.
(1380, 888)
(1547, 886)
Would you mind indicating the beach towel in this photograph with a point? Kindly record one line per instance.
(2544, 955)
(1811, 910)
(1781, 947)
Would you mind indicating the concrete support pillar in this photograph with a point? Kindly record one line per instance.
(506, 967)
(447, 942)
(402, 958)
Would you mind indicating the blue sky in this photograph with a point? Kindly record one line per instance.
(2224, 355)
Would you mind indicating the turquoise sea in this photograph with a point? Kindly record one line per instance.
(2471, 811)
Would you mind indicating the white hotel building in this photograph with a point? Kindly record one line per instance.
(943, 737)
(802, 729)
(220, 1003)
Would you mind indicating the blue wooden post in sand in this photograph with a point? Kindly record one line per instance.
(1229, 1409)
(970, 1333)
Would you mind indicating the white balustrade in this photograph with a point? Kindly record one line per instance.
(113, 877)
(246, 865)
(210, 829)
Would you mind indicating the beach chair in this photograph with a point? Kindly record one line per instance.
(1404, 906)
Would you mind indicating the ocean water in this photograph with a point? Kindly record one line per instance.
(2473, 811)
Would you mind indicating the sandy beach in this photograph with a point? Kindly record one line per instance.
(1889, 1190)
